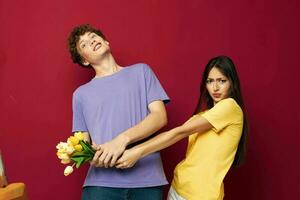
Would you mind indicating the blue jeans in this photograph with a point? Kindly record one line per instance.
(108, 193)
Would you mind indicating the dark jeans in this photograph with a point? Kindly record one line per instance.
(108, 193)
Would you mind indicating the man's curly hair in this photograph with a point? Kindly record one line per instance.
(74, 38)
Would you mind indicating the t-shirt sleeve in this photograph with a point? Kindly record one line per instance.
(78, 117)
(154, 89)
(224, 113)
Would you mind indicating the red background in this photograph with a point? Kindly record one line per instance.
(176, 38)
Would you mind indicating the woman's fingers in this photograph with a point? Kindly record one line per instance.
(122, 165)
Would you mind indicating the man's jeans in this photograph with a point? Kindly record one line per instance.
(108, 193)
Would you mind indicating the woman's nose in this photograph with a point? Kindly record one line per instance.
(216, 86)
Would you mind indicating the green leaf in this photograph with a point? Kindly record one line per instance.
(87, 147)
(75, 159)
(79, 162)
(83, 156)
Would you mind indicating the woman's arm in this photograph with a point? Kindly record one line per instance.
(197, 125)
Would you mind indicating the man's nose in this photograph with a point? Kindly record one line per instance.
(92, 42)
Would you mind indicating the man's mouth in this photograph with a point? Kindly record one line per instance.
(97, 46)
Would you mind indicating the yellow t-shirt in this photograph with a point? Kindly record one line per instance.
(210, 154)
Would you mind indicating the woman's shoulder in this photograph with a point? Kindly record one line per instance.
(228, 105)
(229, 102)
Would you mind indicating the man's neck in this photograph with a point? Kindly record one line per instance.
(106, 67)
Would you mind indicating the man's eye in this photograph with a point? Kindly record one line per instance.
(93, 36)
(82, 46)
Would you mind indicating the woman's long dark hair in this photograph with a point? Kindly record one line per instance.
(227, 68)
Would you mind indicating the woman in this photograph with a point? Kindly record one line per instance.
(217, 136)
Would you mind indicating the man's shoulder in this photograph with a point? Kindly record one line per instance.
(138, 66)
(80, 89)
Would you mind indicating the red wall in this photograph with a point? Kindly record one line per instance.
(176, 38)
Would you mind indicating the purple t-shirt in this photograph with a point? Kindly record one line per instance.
(107, 106)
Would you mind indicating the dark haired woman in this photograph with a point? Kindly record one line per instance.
(217, 136)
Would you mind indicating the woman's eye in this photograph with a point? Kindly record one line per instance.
(82, 46)
(209, 81)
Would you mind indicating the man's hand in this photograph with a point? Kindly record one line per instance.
(108, 153)
(129, 158)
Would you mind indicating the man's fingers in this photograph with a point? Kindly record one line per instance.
(106, 160)
(119, 161)
(113, 160)
(102, 158)
(96, 156)
(96, 147)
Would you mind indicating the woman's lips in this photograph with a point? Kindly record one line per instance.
(217, 95)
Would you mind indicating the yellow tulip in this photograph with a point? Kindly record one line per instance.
(58, 154)
(74, 140)
(65, 161)
(68, 170)
(78, 147)
(61, 151)
(79, 135)
(63, 156)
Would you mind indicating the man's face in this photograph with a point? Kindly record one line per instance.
(92, 48)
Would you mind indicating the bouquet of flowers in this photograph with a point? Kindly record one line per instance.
(75, 151)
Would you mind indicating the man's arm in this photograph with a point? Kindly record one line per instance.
(156, 119)
(109, 152)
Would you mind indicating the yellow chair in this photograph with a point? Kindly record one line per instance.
(13, 191)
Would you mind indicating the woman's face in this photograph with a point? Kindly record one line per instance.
(217, 85)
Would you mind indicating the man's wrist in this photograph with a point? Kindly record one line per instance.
(125, 140)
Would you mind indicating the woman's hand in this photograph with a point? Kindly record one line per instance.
(108, 153)
(129, 158)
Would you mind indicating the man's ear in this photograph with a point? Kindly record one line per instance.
(106, 42)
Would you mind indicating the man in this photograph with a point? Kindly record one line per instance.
(118, 107)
